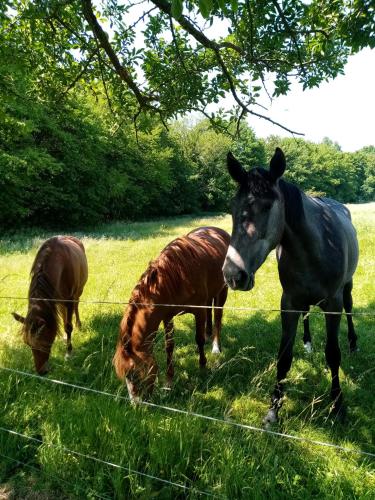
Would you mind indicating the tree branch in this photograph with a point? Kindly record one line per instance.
(165, 7)
(291, 33)
(242, 105)
(102, 75)
(124, 74)
(79, 75)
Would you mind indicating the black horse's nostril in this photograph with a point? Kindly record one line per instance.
(236, 278)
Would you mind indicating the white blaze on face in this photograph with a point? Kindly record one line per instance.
(235, 257)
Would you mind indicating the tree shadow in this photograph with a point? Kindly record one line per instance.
(22, 241)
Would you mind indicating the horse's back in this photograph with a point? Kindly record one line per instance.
(338, 231)
(194, 264)
(65, 264)
(214, 239)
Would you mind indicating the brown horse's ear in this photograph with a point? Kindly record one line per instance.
(277, 164)
(235, 169)
(18, 317)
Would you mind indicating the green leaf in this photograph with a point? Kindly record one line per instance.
(222, 4)
(205, 7)
(234, 4)
(177, 7)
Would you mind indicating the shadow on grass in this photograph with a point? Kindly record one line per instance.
(23, 241)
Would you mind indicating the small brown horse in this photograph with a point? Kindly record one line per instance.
(187, 272)
(59, 273)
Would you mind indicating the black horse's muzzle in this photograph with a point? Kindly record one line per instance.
(237, 278)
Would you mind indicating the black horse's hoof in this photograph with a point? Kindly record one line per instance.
(338, 415)
(338, 409)
(270, 418)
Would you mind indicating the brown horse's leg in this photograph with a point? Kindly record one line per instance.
(169, 347)
(200, 327)
(68, 328)
(208, 334)
(219, 301)
(76, 313)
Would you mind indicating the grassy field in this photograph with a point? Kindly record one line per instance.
(202, 455)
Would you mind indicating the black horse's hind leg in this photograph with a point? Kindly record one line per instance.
(69, 328)
(348, 306)
(306, 333)
(332, 351)
(289, 321)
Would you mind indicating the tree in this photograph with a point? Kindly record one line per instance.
(170, 57)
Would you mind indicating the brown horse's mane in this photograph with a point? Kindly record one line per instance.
(42, 288)
(174, 264)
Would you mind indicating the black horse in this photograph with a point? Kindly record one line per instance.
(317, 253)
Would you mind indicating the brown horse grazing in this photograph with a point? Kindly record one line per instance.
(187, 272)
(59, 273)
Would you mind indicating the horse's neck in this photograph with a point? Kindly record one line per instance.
(299, 233)
(145, 323)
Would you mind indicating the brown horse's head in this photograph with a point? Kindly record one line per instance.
(39, 333)
(133, 360)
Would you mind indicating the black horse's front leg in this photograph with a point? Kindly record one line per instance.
(289, 321)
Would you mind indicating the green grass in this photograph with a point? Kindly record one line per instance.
(221, 459)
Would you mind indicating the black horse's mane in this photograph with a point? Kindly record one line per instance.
(261, 185)
(294, 212)
(41, 288)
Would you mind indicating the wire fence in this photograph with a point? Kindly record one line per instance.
(111, 464)
(186, 413)
(192, 306)
(195, 415)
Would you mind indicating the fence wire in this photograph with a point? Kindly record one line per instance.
(197, 415)
(192, 306)
(114, 465)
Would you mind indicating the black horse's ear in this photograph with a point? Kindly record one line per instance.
(277, 164)
(18, 317)
(235, 169)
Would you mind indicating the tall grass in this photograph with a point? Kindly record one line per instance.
(203, 455)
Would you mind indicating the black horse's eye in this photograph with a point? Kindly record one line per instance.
(266, 205)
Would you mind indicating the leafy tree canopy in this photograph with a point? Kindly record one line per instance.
(169, 57)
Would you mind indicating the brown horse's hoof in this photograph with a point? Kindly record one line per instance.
(45, 369)
(215, 347)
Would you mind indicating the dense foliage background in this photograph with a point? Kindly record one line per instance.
(80, 144)
(69, 163)
(68, 158)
